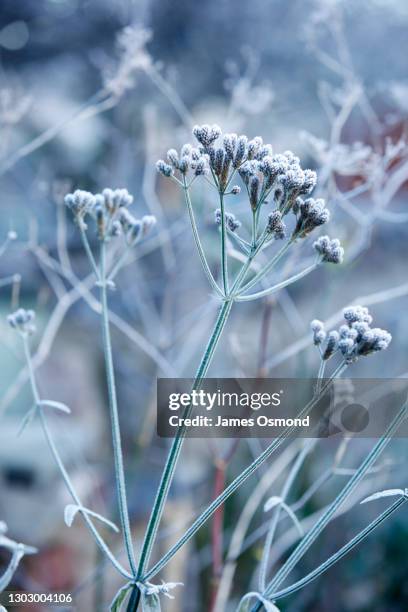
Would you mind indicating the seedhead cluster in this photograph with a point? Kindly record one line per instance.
(109, 211)
(329, 249)
(353, 339)
(23, 321)
(267, 178)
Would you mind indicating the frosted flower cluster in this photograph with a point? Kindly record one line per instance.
(231, 221)
(355, 338)
(329, 249)
(267, 177)
(109, 211)
(23, 321)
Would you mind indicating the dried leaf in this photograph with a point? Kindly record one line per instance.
(245, 601)
(385, 493)
(120, 597)
(150, 603)
(57, 405)
(71, 510)
(272, 502)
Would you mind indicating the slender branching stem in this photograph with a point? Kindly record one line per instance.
(87, 247)
(58, 460)
(344, 550)
(113, 408)
(253, 230)
(289, 281)
(307, 448)
(197, 241)
(169, 469)
(266, 269)
(119, 264)
(230, 179)
(224, 256)
(311, 536)
(277, 512)
(238, 481)
(243, 244)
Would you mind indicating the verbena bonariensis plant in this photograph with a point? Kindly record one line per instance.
(354, 339)
(266, 178)
(279, 180)
(109, 214)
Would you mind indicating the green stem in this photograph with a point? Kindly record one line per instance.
(120, 262)
(87, 248)
(259, 276)
(235, 484)
(113, 408)
(169, 469)
(310, 537)
(277, 512)
(224, 258)
(281, 285)
(134, 599)
(197, 241)
(67, 480)
(168, 472)
(340, 553)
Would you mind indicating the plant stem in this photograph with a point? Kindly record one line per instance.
(67, 480)
(236, 483)
(197, 241)
(217, 530)
(259, 276)
(276, 515)
(113, 408)
(281, 285)
(340, 553)
(88, 249)
(168, 472)
(119, 264)
(224, 258)
(307, 448)
(310, 537)
(134, 599)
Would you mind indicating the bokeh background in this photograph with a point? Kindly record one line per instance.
(91, 94)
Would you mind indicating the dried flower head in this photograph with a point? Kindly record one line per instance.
(206, 134)
(80, 202)
(310, 214)
(268, 177)
(23, 321)
(258, 167)
(109, 210)
(329, 249)
(230, 143)
(231, 221)
(133, 58)
(116, 198)
(355, 338)
(318, 330)
(164, 169)
(332, 344)
(275, 226)
(354, 314)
